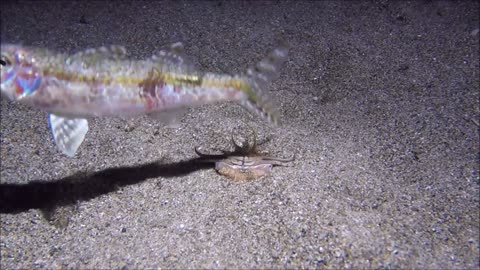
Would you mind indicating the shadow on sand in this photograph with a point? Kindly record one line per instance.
(15, 198)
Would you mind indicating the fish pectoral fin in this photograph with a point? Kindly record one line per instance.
(170, 118)
(68, 133)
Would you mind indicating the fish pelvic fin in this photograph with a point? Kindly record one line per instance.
(68, 133)
(268, 69)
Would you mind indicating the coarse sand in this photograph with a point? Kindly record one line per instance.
(380, 105)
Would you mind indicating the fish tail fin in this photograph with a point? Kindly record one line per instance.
(268, 69)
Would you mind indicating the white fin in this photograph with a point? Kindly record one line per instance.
(260, 77)
(170, 118)
(95, 56)
(68, 133)
(174, 59)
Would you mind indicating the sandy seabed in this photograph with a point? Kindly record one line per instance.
(380, 105)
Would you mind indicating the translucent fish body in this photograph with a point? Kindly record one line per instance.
(104, 83)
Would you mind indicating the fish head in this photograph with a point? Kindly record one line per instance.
(19, 76)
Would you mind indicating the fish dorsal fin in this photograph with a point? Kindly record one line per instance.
(68, 133)
(94, 56)
(174, 59)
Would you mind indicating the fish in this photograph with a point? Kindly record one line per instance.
(105, 82)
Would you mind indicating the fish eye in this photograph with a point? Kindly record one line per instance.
(5, 61)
